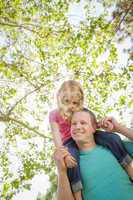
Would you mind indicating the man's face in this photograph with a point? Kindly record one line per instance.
(82, 128)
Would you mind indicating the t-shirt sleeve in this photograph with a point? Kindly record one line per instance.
(53, 116)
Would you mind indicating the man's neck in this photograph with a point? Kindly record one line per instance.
(86, 146)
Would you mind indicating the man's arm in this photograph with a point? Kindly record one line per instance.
(64, 190)
(111, 124)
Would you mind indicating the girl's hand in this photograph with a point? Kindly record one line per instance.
(70, 161)
(107, 123)
(59, 157)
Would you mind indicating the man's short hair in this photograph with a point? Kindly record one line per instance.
(92, 115)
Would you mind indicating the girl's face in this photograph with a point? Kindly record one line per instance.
(70, 103)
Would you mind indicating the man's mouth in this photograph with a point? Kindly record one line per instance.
(77, 133)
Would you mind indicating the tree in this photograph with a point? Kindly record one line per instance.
(122, 19)
(37, 44)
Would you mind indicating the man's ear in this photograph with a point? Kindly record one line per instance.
(94, 127)
(97, 125)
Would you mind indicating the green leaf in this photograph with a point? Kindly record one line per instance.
(130, 68)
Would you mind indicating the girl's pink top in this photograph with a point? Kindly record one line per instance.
(64, 125)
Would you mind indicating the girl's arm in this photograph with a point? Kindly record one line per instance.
(111, 124)
(56, 134)
(70, 160)
(128, 132)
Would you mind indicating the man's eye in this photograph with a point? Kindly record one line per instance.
(83, 123)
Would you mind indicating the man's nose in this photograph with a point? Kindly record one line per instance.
(78, 125)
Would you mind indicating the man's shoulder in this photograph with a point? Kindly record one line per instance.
(103, 132)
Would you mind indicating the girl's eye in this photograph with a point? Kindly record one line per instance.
(75, 103)
(66, 101)
(73, 123)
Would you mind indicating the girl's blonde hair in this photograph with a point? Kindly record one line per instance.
(73, 87)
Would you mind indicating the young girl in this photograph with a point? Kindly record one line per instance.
(70, 99)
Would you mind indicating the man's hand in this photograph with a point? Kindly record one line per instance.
(109, 124)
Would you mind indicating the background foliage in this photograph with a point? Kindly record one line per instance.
(39, 47)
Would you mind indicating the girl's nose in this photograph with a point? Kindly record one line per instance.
(71, 106)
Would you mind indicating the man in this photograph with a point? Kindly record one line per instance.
(102, 176)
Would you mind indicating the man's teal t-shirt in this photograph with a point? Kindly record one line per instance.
(103, 178)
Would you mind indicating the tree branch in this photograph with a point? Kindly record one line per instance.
(24, 75)
(123, 18)
(29, 128)
(24, 97)
(6, 118)
(24, 27)
(1, 112)
(14, 24)
(17, 26)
